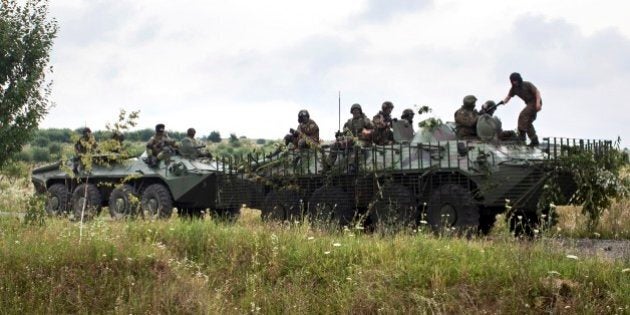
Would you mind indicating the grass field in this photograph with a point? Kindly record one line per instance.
(180, 266)
(177, 266)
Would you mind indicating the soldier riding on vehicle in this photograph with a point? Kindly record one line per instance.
(307, 133)
(383, 134)
(159, 146)
(466, 119)
(191, 148)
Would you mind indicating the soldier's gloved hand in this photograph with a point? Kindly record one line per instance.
(500, 103)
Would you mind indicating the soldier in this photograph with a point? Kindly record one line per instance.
(191, 148)
(157, 144)
(407, 115)
(359, 125)
(533, 104)
(383, 134)
(86, 143)
(307, 133)
(466, 118)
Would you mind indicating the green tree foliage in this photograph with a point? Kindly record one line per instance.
(41, 141)
(215, 137)
(40, 155)
(26, 39)
(597, 175)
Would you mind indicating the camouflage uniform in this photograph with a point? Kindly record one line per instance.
(307, 134)
(355, 126)
(85, 144)
(382, 133)
(466, 119)
(190, 148)
(527, 92)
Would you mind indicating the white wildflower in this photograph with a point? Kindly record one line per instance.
(336, 244)
(572, 257)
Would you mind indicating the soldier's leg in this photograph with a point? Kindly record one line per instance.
(524, 123)
(531, 131)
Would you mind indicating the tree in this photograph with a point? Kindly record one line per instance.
(26, 39)
(215, 137)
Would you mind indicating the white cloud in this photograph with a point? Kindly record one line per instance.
(247, 67)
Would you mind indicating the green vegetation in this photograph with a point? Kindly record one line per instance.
(26, 40)
(202, 267)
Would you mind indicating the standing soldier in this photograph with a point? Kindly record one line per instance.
(359, 125)
(157, 144)
(466, 119)
(190, 147)
(383, 134)
(533, 104)
(307, 133)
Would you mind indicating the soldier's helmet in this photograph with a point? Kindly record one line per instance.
(159, 128)
(86, 131)
(407, 113)
(191, 132)
(355, 106)
(387, 104)
(303, 116)
(469, 101)
(489, 107)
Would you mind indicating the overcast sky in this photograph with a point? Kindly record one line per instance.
(248, 67)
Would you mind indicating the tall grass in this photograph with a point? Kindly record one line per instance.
(179, 266)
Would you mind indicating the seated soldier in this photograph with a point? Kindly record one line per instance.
(156, 146)
(307, 133)
(466, 119)
(86, 143)
(191, 148)
(359, 126)
(382, 121)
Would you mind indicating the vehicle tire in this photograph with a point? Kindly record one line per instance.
(123, 203)
(157, 202)
(452, 207)
(90, 196)
(394, 207)
(331, 204)
(58, 200)
(281, 205)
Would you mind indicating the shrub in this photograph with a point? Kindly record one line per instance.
(214, 137)
(40, 155)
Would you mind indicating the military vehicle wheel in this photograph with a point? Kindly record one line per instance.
(452, 206)
(280, 205)
(57, 200)
(157, 202)
(394, 207)
(86, 202)
(331, 204)
(123, 203)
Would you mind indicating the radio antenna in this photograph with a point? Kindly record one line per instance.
(339, 113)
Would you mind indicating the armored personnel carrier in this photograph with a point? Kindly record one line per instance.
(131, 187)
(431, 177)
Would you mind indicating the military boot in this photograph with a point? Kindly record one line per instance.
(534, 142)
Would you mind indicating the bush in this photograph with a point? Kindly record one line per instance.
(40, 155)
(41, 142)
(24, 156)
(54, 149)
(215, 137)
